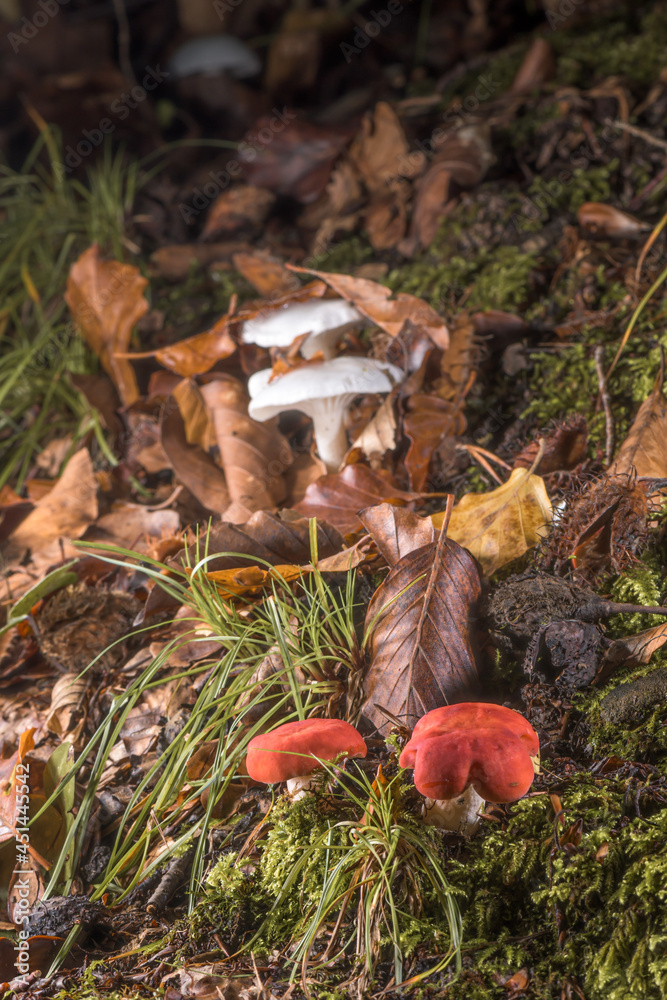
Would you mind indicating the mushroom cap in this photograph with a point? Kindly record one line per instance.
(302, 387)
(292, 750)
(280, 326)
(494, 761)
(215, 54)
(469, 715)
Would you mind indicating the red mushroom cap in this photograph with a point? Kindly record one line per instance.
(469, 715)
(493, 761)
(290, 751)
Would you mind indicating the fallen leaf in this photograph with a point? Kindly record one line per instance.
(375, 301)
(461, 160)
(380, 152)
(428, 422)
(106, 299)
(197, 420)
(538, 66)
(418, 634)
(194, 355)
(644, 451)
(396, 531)
(193, 466)
(266, 274)
(298, 160)
(255, 456)
(604, 220)
(339, 497)
(66, 700)
(175, 262)
(243, 206)
(269, 538)
(562, 450)
(518, 982)
(631, 651)
(499, 526)
(65, 512)
(379, 435)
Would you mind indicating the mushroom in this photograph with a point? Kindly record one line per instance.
(324, 320)
(295, 750)
(468, 754)
(324, 392)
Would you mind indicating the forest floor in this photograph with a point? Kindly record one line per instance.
(179, 577)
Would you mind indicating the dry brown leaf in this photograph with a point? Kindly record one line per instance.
(499, 526)
(255, 456)
(65, 512)
(380, 152)
(396, 531)
(603, 220)
(66, 699)
(193, 466)
(538, 66)
(644, 451)
(428, 422)
(338, 498)
(199, 427)
(106, 299)
(632, 651)
(379, 435)
(194, 355)
(175, 262)
(267, 274)
(461, 161)
(375, 301)
(418, 634)
(243, 206)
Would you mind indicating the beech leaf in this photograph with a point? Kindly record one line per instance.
(499, 526)
(337, 498)
(644, 451)
(418, 634)
(106, 299)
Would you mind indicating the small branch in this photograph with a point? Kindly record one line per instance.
(604, 396)
(170, 882)
(638, 133)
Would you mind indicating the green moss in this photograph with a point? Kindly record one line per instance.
(613, 48)
(552, 197)
(523, 892)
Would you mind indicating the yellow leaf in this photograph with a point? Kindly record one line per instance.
(499, 526)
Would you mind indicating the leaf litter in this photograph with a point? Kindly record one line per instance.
(180, 577)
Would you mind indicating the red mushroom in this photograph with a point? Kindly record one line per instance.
(465, 755)
(473, 715)
(294, 751)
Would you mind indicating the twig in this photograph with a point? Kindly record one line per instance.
(171, 881)
(638, 133)
(124, 41)
(604, 396)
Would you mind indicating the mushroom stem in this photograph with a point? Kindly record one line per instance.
(459, 815)
(298, 788)
(329, 430)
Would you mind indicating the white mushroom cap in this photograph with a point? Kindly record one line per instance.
(323, 319)
(323, 391)
(213, 54)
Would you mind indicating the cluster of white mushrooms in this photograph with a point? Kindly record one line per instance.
(322, 391)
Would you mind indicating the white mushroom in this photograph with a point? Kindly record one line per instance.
(323, 391)
(324, 319)
(213, 54)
